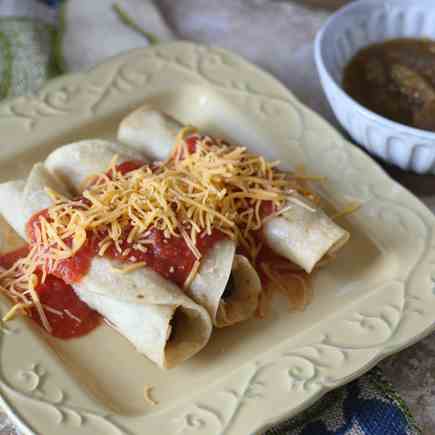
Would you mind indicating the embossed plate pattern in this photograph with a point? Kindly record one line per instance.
(374, 300)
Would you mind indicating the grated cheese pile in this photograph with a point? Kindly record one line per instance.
(213, 187)
(19, 283)
(216, 187)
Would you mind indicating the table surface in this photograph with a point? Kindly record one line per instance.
(412, 371)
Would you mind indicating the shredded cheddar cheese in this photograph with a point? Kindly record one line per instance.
(129, 268)
(216, 186)
(147, 395)
(348, 209)
(213, 186)
(13, 311)
(72, 316)
(192, 274)
(19, 284)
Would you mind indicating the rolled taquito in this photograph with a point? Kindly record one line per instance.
(75, 163)
(209, 286)
(150, 130)
(302, 234)
(151, 312)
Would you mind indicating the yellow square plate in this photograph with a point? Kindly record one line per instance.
(374, 300)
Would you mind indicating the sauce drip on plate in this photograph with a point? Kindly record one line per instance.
(73, 318)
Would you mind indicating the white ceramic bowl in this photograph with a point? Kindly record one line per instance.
(353, 27)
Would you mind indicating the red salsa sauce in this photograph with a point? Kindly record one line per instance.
(59, 296)
(70, 270)
(170, 257)
(128, 166)
(191, 143)
(266, 254)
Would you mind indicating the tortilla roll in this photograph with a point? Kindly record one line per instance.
(227, 285)
(151, 312)
(299, 234)
(208, 286)
(304, 235)
(73, 164)
(147, 129)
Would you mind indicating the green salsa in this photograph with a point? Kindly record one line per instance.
(395, 79)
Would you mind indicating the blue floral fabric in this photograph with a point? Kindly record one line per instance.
(51, 2)
(367, 406)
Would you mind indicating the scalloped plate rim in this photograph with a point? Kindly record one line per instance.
(25, 426)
